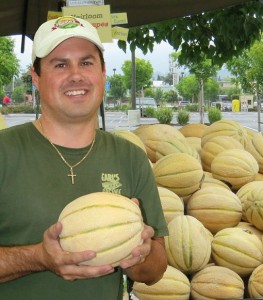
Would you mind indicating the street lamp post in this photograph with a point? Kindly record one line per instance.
(114, 70)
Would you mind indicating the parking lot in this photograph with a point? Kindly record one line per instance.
(119, 120)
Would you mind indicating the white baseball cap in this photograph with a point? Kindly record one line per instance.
(51, 33)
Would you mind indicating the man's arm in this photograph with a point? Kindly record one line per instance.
(19, 261)
(149, 260)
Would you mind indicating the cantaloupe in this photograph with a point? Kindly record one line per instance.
(151, 135)
(193, 130)
(255, 283)
(235, 166)
(188, 245)
(255, 147)
(107, 223)
(215, 282)
(173, 285)
(172, 204)
(238, 250)
(180, 173)
(216, 207)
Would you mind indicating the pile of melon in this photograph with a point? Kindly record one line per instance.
(210, 181)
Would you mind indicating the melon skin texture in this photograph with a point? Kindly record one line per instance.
(234, 166)
(172, 205)
(255, 283)
(109, 224)
(180, 173)
(188, 246)
(238, 250)
(213, 282)
(173, 285)
(216, 207)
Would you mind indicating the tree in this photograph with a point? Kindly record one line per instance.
(9, 65)
(144, 73)
(219, 34)
(171, 96)
(247, 68)
(188, 87)
(117, 87)
(211, 89)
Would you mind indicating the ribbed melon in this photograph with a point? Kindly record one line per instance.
(107, 223)
(238, 250)
(151, 135)
(180, 173)
(173, 285)
(255, 147)
(188, 245)
(226, 128)
(235, 166)
(215, 282)
(175, 146)
(130, 136)
(172, 204)
(215, 207)
(216, 145)
(255, 283)
(193, 130)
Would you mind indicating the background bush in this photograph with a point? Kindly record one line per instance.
(183, 117)
(164, 115)
(214, 114)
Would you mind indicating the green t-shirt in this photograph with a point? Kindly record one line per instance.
(35, 187)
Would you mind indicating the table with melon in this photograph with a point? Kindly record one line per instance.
(210, 181)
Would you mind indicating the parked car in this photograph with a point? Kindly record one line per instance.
(183, 103)
(144, 102)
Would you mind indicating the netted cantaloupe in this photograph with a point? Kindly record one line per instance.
(180, 173)
(107, 223)
(172, 204)
(255, 147)
(251, 191)
(216, 145)
(151, 135)
(173, 285)
(175, 146)
(216, 282)
(226, 128)
(255, 283)
(193, 130)
(216, 207)
(238, 250)
(130, 136)
(235, 167)
(188, 245)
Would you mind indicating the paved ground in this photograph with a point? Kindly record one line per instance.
(119, 120)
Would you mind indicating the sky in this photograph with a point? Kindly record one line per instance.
(114, 56)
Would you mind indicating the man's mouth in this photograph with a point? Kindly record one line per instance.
(75, 93)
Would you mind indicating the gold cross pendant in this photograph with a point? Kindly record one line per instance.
(72, 175)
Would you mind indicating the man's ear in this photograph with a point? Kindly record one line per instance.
(35, 77)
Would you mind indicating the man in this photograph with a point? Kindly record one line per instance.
(59, 157)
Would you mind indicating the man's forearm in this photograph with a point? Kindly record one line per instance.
(19, 261)
(152, 269)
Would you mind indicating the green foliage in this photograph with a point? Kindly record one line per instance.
(214, 114)
(183, 117)
(27, 79)
(144, 72)
(117, 86)
(164, 115)
(9, 65)
(18, 96)
(218, 34)
(24, 109)
(149, 112)
(188, 87)
(170, 96)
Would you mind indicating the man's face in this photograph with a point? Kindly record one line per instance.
(71, 82)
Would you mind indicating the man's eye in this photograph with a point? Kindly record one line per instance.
(87, 63)
(60, 66)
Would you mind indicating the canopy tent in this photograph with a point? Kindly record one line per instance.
(25, 16)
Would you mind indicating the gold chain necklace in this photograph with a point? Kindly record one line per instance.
(71, 174)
